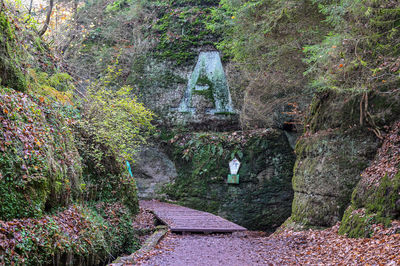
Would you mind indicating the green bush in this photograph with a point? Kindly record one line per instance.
(74, 236)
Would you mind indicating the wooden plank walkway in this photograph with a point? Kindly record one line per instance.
(182, 219)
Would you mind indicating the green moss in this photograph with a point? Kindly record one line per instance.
(11, 73)
(22, 201)
(181, 30)
(356, 224)
(381, 206)
(208, 93)
(61, 82)
(40, 172)
(256, 203)
(384, 201)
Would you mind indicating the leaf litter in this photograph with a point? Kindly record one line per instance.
(286, 247)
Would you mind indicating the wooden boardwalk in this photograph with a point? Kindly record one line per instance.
(182, 219)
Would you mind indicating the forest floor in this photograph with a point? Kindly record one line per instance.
(312, 247)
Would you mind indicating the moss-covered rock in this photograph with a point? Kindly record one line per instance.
(181, 29)
(357, 223)
(262, 199)
(377, 195)
(334, 150)
(327, 169)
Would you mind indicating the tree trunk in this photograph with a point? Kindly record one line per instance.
(30, 12)
(47, 22)
(30, 7)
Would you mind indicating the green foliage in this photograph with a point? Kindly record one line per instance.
(57, 88)
(41, 168)
(11, 73)
(14, 202)
(142, 31)
(21, 48)
(181, 30)
(39, 163)
(361, 51)
(259, 32)
(105, 178)
(115, 117)
(117, 5)
(75, 235)
(120, 234)
(123, 33)
(265, 39)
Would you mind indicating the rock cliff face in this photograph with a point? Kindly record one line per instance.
(195, 168)
(153, 169)
(327, 169)
(262, 199)
(194, 95)
(333, 152)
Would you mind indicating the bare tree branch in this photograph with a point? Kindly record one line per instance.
(47, 22)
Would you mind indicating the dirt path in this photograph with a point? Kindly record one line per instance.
(247, 248)
(309, 247)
